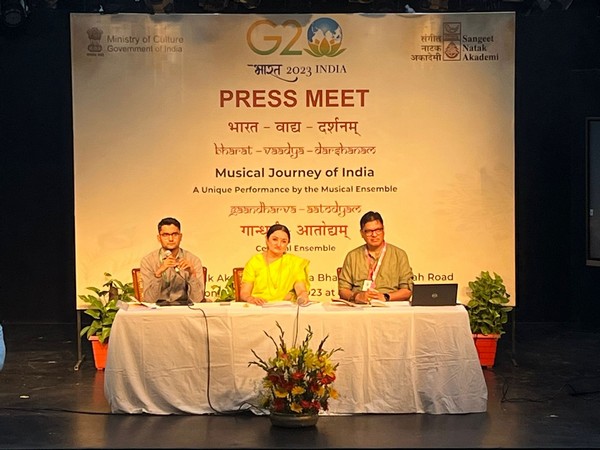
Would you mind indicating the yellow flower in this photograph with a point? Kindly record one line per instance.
(296, 407)
(311, 361)
(279, 363)
(333, 393)
(298, 390)
(280, 393)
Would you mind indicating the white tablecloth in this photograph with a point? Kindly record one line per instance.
(399, 359)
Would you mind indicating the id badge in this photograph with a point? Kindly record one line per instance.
(366, 285)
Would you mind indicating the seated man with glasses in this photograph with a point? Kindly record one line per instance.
(377, 270)
(171, 275)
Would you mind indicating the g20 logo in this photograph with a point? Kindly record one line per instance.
(323, 37)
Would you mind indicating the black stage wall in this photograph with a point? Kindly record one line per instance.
(557, 85)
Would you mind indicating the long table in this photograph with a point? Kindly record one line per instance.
(397, 359)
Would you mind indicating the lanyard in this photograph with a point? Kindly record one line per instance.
(374, 270)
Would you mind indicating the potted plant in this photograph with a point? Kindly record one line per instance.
(225, 293)
(298, 381)
(487, 314)
(104, 304)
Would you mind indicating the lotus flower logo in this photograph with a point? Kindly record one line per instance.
(324, 38)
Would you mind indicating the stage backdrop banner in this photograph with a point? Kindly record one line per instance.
(231, 123)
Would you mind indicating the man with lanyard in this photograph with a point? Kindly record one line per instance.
(171, 275)
(377, 270)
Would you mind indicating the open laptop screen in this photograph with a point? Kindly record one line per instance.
(434, 294)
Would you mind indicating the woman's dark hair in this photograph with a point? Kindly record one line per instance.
(278, 227)
(370, 217)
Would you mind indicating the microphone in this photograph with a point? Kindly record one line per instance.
(167, 254)
(181, 301)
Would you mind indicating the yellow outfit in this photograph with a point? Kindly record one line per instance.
(275, 281)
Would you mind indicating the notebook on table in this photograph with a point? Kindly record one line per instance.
(434, 294)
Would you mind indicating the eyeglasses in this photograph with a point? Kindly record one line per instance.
(374, 232)
(170, 235)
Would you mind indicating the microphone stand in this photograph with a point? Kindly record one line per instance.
(186, 286)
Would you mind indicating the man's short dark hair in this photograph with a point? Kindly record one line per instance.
(169, 221)
(370, 217)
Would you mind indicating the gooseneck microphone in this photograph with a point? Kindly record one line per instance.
(167, 254)
(182, 301)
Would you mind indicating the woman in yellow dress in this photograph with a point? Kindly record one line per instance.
(275, 275)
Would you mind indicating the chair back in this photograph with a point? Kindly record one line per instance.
(138, 285)
(237, 282)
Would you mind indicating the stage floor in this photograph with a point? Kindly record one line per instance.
(543, 392)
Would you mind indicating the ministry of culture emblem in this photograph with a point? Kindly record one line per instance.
(94, 35)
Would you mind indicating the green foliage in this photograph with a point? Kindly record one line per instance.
(225, 293)
(487, 310)
(104, 306)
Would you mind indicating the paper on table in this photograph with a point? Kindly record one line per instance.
(286, 303)
(127, 305)
(375, 302)
(150, 305)
(341, 301)
(378, 303)
(277, 303)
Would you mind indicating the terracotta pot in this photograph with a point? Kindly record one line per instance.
(486, 348)
(100, 351)
(293, 420)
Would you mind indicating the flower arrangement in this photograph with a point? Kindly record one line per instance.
(298, 380)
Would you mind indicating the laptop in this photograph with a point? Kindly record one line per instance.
(434, 294)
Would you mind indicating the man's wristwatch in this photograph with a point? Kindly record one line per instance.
(387, 297)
